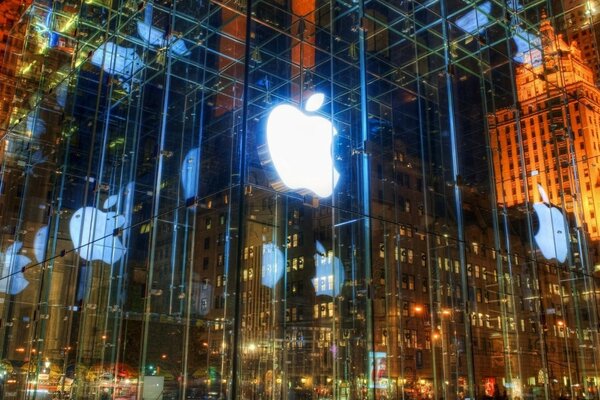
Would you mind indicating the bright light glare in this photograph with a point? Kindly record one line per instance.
(300, 148)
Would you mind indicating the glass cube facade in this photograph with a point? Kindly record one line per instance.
(300, 200)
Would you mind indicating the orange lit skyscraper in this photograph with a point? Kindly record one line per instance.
(552, 137)
(10, 11)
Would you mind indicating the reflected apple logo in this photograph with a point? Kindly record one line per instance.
(475, 20)
(39, 243)
(552, 234)
(91, 232)
(272, 265)
(12, 280)
(329, 276)
(300, 147)
(190, 173)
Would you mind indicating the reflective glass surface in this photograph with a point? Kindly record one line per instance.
(300, 200)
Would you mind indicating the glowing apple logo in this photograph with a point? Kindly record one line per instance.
(91, 229)
(300, 147)
(329, 276)
(552, 234)
(272, 265)
(12, 280)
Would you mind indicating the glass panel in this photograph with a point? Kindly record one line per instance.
(299, 199)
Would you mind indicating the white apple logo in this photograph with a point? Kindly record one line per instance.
(91, 230)
(12, 270)
(272, 265)
(329, 276)
(300, 147)
(552, 234)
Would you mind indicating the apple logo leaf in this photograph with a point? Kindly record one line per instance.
(110, 201)
(314, 102)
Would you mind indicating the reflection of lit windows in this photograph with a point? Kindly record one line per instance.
(423, 260)
(410, 338)
(475, 248)
(456, 267)
(208, 223)
(469, 269)
(220, 259)
(409, 256)
(222, 219)
(402, 254)
(330, 308)
(219, 280)
(250, 273)
(381, 250)
(145, 228)
(316, 311)
(484, 273)
(411, 282)
(301, 263)
(295, 264)
(476, 271)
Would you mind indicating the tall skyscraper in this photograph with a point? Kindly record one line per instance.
(553, 138)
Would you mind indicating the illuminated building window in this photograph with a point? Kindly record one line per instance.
(208, 223)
